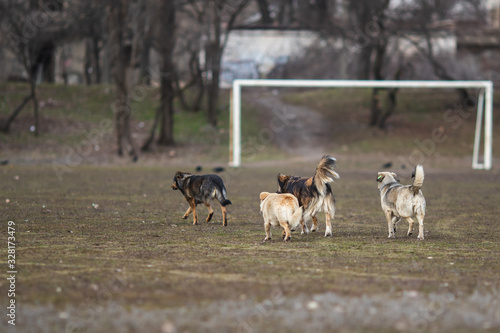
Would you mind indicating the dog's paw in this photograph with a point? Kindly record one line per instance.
(286, 239)
(409, 233)
(420, 237)
(391, 236)
(184, 217)
(314, 228)
(266, 239)
(328, 231)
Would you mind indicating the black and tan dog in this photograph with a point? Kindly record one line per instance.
(314, 194)
(202, 189)
(402, 201)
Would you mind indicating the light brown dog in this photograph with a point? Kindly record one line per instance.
(402, 201)
(280, 210)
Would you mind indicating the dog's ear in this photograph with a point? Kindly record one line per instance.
(395, 177)
(181, 174)
(263, 195)
(380, 177)
(282, 178)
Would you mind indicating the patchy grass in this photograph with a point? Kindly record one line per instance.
(114, 235)
(104, 249)
(418, 113)
(68, 112)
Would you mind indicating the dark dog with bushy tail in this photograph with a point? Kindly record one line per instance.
(313, 193)
(202, 189)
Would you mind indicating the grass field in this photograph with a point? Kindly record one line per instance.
(101, 246)
(106, 248)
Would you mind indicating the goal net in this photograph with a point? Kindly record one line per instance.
(484, 108)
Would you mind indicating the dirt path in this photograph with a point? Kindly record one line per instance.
(297, 130)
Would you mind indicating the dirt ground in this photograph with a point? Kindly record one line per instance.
(104, 249)
(101, 245)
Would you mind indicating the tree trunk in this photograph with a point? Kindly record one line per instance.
(265, 16)
(391, 99)
(391, 106)
(364, 62)
(215, 46)
(35, 106)
(168, 13)
(213, 49)
(375, 107)
(97, 65)
(377, 73)
(147, 145)
(117, 16)
(87, 64)
(145, 78)
(322, 12)
(213, 89)
(167, 113)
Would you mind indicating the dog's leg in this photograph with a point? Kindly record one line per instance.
(315, 224)
(192, 205)
(186, 215)
(395, 221)
(328, 231)
(303, 226)
(210, 211)
(410, 226)
(420, 218)
(267, 227)
(390, 224)
(224, 215)
(286, 231)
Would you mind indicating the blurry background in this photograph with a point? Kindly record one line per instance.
(152, 75)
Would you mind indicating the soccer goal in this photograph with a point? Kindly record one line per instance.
(484, 108)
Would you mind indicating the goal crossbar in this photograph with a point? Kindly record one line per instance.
(484, 107)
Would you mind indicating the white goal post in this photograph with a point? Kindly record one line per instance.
(484, 107)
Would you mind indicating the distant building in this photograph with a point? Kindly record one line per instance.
(253, 53)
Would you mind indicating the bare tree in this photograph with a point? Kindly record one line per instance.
(166, 24)
(120, 56)
(427, 12)
(218, 18)
(30, 35)
(33, 30)
(95, 15)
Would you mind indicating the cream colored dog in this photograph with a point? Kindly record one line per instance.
(402, 201)
(280, 210)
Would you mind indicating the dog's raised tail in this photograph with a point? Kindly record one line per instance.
(294, 221)
(418, 178)
(324, 172)
(222, 197)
